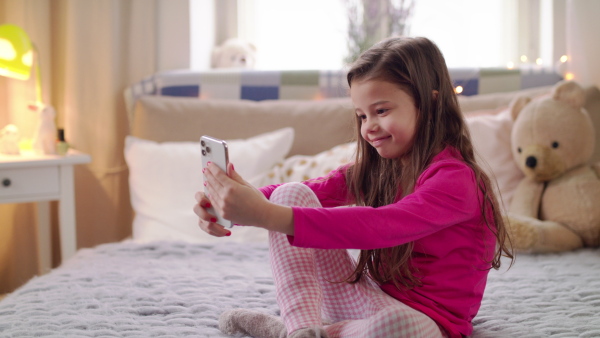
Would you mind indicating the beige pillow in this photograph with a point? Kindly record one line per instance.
(318, 125)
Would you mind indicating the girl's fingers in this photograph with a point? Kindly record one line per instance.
(217, 230)
(200, 211)
(213, 183)
(205, 222)
(215, 198)
(202, 199)
(215, 175)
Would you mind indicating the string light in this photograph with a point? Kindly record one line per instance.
(510, 65)
(538, 61)
(523, 58)
(569, 76)
(458, 89)
(564, 58)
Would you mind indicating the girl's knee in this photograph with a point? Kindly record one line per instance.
(406, 322)
(295, 194)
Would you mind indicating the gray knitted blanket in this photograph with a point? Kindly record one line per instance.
(177, 289)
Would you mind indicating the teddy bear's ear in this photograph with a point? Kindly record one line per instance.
(517, 104)
(569, 92)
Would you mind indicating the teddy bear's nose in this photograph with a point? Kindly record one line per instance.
(531, 162)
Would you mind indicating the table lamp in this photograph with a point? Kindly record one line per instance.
(18, 57)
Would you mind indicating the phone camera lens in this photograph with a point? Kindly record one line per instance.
(202, 143)
(208, 149)
(203, 152)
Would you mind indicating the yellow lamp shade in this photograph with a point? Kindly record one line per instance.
(16, 52)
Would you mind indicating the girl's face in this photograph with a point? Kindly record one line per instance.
(388, 116)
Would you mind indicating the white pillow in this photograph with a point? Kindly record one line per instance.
(301, 168)
(491, 138)
(164, 177)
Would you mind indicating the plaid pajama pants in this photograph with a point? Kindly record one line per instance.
(310, 290)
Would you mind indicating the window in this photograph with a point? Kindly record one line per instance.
(312, 34)
(470, 33)
(289, 34)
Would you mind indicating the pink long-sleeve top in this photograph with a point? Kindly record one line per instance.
(452, 245)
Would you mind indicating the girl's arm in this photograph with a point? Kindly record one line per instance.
(238, 201)
(445, 195)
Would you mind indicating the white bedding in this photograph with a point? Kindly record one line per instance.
(175, 289)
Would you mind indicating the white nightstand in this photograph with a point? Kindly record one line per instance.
(43, 178)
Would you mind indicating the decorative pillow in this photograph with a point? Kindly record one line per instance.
(164, 177)
(301, 168)
(490, 133)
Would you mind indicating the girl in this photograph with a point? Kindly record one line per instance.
(422, 212)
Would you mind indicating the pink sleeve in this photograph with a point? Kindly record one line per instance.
(445, 194)
(331, 190)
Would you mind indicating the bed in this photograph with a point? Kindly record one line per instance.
(171, 280)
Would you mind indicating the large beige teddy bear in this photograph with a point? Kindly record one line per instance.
(556, 207)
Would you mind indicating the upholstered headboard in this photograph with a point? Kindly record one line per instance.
(181, 105)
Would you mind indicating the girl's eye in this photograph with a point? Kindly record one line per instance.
(381, 111)
(362, 117)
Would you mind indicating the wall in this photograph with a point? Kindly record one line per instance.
(91, 50)
(582, 28)
(203, 18)
(173, 35)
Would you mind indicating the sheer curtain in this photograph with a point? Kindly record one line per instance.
(470, 33)
(90, 51)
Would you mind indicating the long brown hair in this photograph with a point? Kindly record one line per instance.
(417, 66)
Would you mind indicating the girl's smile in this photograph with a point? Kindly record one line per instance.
(388, 116)
(378, 142)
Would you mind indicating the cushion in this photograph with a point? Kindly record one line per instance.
(164, 177)
(301, 167)
(318, 125)
(490, 133)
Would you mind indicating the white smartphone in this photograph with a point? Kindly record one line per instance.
(215, 150)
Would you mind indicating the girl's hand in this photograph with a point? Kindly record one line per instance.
(206, 220)
(234, 198)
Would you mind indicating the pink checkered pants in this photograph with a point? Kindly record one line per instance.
(310, 291)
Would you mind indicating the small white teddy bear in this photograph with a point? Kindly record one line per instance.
(9, 140)
(234, 53)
